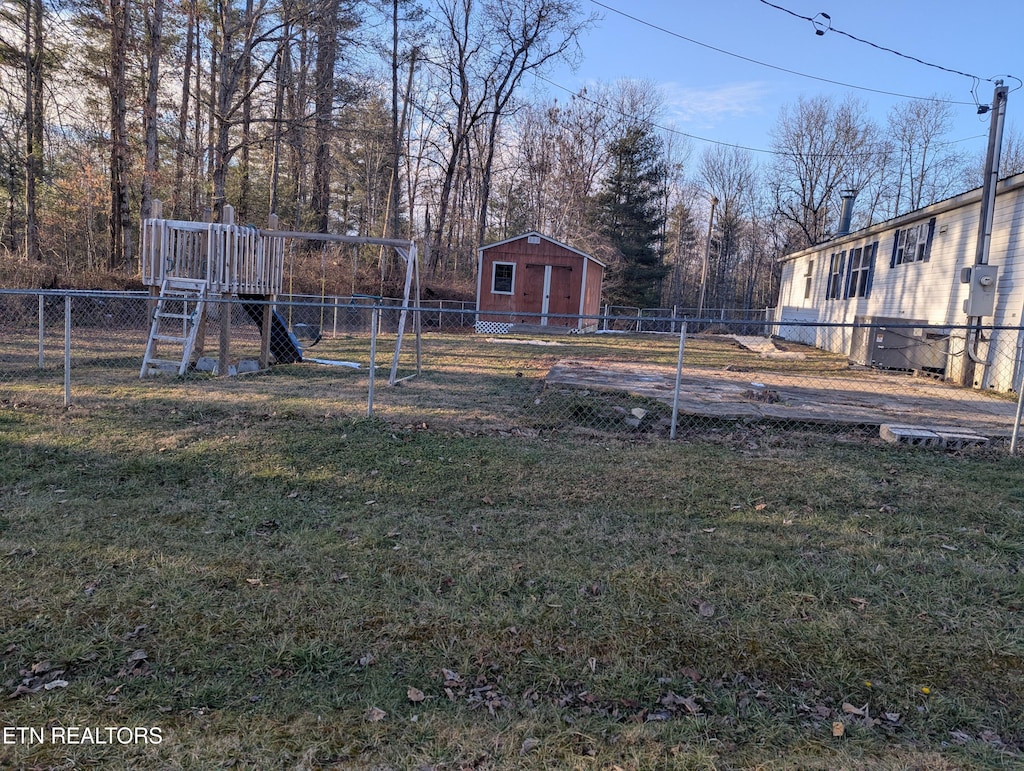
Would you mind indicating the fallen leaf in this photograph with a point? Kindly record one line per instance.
(849, 709)
(137, 655)
(691, 673)
(838, 728)
(56, 684)
(488, 500)
(254, 582)
(961, 737)
(451, 676)
(374, 715)
(135, 632)
(366, 660)
(415, 695)
(706, 609)
(761, 507)
(529, 744)
(860, 602)
(892, 717)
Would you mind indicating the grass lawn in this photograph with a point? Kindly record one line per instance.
(254, 585)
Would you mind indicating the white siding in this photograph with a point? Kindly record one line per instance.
(928, 291)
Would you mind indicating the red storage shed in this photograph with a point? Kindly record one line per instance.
(534, 280)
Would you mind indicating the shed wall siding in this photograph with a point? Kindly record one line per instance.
(567, 292)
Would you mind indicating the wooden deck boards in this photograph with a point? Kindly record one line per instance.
(856, 398)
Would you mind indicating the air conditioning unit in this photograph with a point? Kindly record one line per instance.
(899, 344)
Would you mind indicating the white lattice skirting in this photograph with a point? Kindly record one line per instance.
(493, 328)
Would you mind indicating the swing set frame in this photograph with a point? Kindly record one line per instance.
(236, 260)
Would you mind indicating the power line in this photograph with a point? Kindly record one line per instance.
(760, 63)
(821, 27)
(583, 97)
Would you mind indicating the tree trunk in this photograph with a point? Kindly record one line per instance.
(33, 123)
(177, 192)
(283, 60)
(120, 214)
(155, 21)
(245, 187)
(323, 122)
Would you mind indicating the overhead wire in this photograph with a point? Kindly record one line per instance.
(581, 95)
(821, 29)
(768, 65)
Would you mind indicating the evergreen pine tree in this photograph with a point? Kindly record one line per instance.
(629, 212)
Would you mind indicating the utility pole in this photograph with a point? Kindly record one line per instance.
(707, 259)
(980, 277)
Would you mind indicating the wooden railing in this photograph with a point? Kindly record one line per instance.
(233, 259)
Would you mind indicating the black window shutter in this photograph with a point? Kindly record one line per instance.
(928, 243)
(895, 247)
(871, 270)
(847, 284)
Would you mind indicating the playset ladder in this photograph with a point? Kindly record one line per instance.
(177, 319)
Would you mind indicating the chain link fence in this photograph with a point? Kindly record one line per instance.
(641, 375)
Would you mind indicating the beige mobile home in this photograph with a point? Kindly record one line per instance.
(906, 277)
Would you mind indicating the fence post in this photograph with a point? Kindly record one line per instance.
(67, 350)
(1020, 406)
(679, 381)
(42, 329)
(373, 362)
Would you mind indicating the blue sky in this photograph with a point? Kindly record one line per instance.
(728, 99)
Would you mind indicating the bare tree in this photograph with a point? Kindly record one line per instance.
(178, 196)
(821, 147)
(487, 49)
(1012, 157)
(925, 169)
(728, 174)
(121, 250)
(154, 15)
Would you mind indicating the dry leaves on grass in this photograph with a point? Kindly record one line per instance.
(374, 715)
(704, 608)
(137, 665)
(43, 676)
(529, 745)
(479, 693)
(415, 695)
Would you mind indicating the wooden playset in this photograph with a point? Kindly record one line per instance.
(199, 269)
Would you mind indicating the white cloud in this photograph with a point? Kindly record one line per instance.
(709, 107)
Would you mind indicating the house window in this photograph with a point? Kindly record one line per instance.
(912, 244)
(502, 279)
(861, 270)
(808, 278)
(834, 289)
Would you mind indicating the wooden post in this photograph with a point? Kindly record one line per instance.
(263, 275)
(221, 261)
(224, 343)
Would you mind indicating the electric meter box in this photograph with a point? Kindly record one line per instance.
(981, 298)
